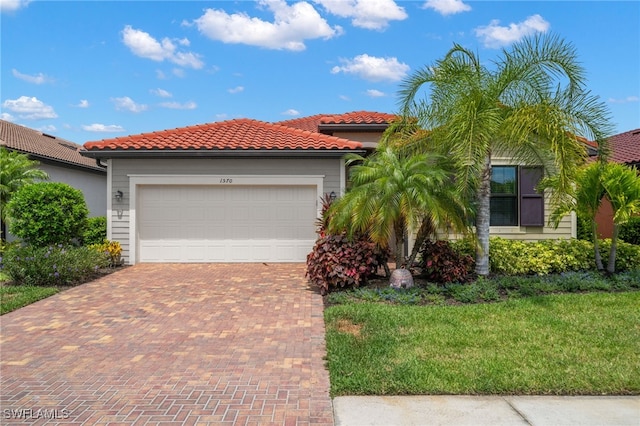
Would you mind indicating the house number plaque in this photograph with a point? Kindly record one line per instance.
(226, 180)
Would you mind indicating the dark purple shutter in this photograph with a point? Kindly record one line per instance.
(531, 201)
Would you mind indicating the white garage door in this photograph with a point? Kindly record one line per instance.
(200, 223)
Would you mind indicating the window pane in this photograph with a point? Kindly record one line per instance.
(503, 180)
(504, 211)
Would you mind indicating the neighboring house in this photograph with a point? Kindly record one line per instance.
(248, 191)
(624, 148)
(62, 161)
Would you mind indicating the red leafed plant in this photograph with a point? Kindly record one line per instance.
(442, 264)
(336, 261)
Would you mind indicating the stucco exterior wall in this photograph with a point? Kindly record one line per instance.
(121, 169)
(92, 185)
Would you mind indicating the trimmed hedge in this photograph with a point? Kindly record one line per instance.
(514, 257)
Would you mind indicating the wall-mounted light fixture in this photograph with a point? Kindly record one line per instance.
(332, 196)
(118, 196)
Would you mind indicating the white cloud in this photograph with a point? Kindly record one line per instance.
(373, 93)
(237, 89)
(83, 103)
(127, 104)
(12, 5)
(28, 108)
(447, 7)
(161, 93)
(160, 75)
(178, 105)
(49, 128)
(7, 117)
(292, 25)
(369, 14)
(222, 116)
(628, 99)
(35, 79)
(291, 112)
(495, 36)
(344, 97)
(178, 72)
(96, 127)
(144, 45)
(373, 68)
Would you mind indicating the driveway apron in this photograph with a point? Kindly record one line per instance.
(237, 344)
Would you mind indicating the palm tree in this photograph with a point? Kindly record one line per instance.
(530, 106)
(584, 199)
(622, 189)
(391, 193)
(16, 171)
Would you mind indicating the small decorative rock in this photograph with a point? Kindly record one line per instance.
(401, 278)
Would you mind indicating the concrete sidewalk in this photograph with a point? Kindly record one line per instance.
(486, 410)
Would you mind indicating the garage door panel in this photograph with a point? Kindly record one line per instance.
(226, 223)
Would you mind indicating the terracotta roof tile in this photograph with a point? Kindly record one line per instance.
(625, 147)
(359, 117)
(309, 124)
(312, 123)
(239, 134)
(30, 141)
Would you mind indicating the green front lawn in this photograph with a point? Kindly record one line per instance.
(556, 344)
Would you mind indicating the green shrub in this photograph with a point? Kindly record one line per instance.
(337, 261)
(442, 264)
(482, 290)
(514, 257)
(463, 293)
(507, 256)
(96, 231)
(48, 213)
(53, 265)
(630, 231)
(627, 255)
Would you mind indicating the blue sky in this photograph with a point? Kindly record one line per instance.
(89, 70)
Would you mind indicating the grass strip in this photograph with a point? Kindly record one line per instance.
(13, 297)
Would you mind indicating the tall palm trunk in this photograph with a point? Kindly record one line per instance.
(611, 265)
(482, 219)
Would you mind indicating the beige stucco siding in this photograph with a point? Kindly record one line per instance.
(122, 169)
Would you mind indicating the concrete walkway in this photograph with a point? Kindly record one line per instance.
(486, 410)
(170, 345)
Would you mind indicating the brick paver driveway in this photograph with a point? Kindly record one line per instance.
(170, 344)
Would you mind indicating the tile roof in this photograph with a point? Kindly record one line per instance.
(43, 147)
(314, 122)
(239, 134)
(359, 117)
(625, 147)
